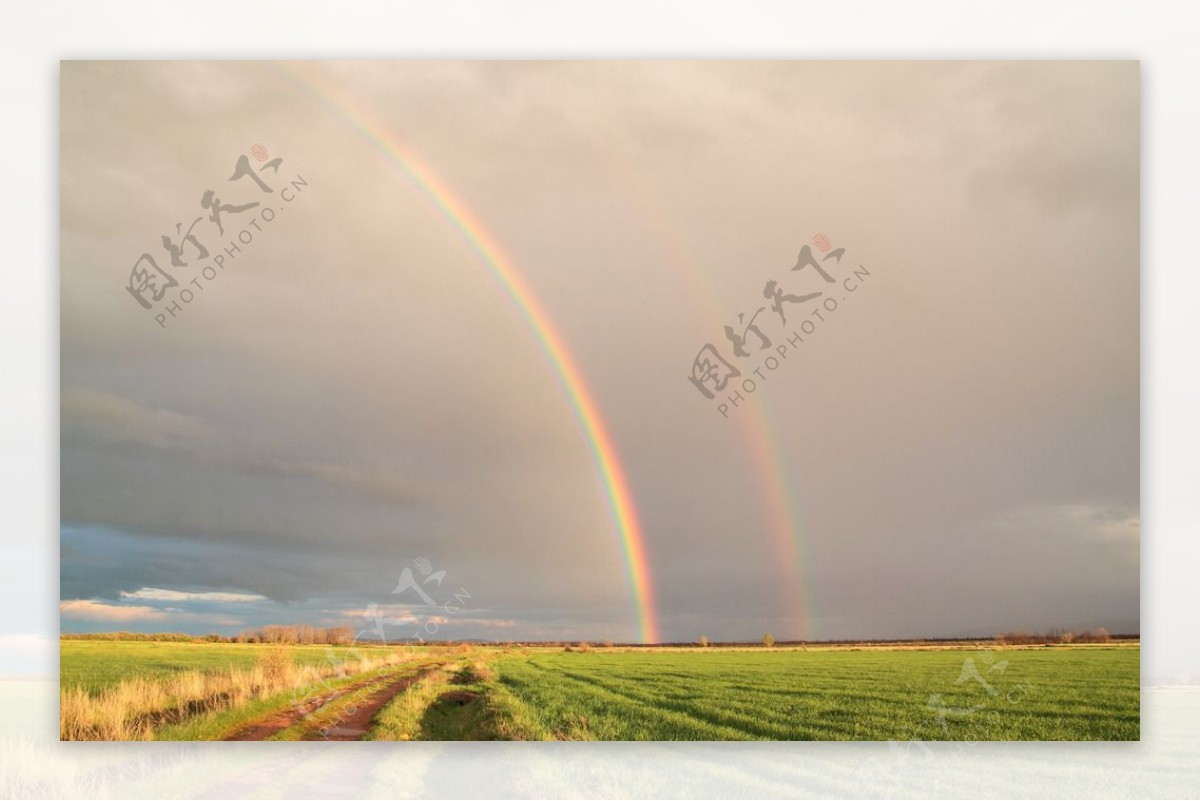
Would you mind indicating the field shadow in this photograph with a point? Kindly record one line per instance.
(458, 714)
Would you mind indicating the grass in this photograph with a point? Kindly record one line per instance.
(221, 723)
(98, 664)
(873, 694)
(461, 701)
(330, 715)
(133, 690)
(137, 706)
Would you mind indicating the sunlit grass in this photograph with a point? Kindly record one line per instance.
(982, 692)
(138, 705)
(96, 664)
(460, 701)
(1040, 694)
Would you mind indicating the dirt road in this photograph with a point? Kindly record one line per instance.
(348, 726)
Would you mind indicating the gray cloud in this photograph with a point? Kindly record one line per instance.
(106, 418)
(357, 389)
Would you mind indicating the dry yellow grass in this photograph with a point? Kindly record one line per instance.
(133, 708)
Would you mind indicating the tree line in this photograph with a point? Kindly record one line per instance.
(302, 634)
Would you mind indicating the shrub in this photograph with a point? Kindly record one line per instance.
(1019, 637)
(476, 673)
(1098, 635)
(703, 641)
(277, 665)
(768, 640)
(1065, 636)
(132, 709)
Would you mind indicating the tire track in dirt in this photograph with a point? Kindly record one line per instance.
(355, 726)
(264, 727)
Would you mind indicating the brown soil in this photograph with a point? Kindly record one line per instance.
(348, 727)
(354, 726)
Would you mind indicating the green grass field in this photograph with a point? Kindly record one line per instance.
(822, 693)
(831, 694)
(97, 664)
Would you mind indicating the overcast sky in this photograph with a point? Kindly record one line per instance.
(354, 390)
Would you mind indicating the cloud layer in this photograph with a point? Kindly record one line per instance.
(957, 445)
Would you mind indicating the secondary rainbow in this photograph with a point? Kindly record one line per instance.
(784, 520)
(570, 377)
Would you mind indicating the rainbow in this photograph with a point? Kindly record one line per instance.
(782, 520)
(587, 413)
(787, 530)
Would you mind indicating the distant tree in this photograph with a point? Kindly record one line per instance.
(768, 640)
(703, 641)
(1096, 636)
(285, 634)
(1018, 637)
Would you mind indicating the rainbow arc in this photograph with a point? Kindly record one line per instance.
(566, 369)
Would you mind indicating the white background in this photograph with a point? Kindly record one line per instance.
(35, 37)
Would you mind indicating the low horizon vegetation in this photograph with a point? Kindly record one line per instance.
(345, 636)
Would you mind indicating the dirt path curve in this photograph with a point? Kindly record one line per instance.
(349, 727)
(355, 726)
